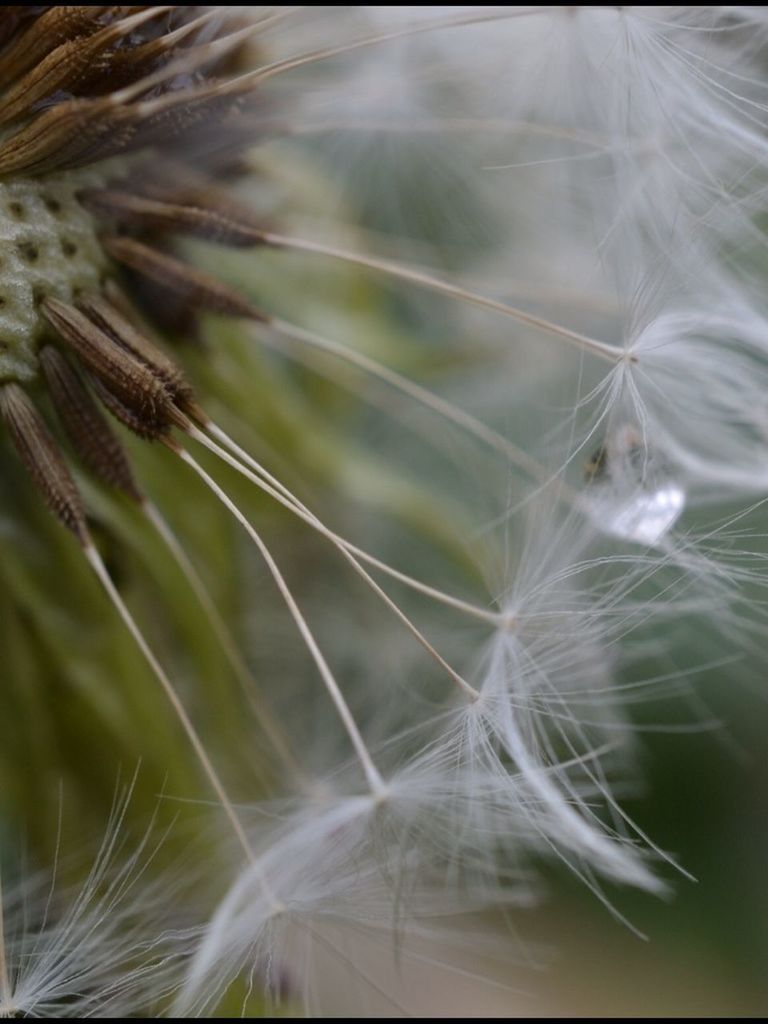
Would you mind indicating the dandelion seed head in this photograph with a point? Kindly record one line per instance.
(694, 395)
(552, 362)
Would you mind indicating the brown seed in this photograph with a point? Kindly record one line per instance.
(197, 220)
(178, 182)
(126, 64)
(68, 135)
(140, 424)
(109, 320)
(91, 435)
(132, 383)
(198, 288)
(107, 82)
(69, 68)
(43, 459)
(52, 28)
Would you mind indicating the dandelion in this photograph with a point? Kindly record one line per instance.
(445, 355)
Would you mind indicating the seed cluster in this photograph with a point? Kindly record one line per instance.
(95, 106)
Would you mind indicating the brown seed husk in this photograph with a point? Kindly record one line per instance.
(201, 221)
(132, 383)
(43, 458)
(89, 432)
(202, 291)
(108, 319)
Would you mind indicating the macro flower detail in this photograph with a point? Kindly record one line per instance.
(398, 376)
(61, 268)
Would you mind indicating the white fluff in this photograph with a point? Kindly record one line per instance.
(624, 149)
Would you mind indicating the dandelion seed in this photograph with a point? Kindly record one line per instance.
(592, 376)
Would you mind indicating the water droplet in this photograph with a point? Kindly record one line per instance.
(632, 492)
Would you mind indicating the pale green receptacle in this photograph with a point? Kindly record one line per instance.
(48, 246)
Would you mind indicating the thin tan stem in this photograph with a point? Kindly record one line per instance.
(197, 55)
(419, 277)
(293, 505)
(269, 723)
(420, 394)
(373, 777)
(249, 81)
(170, 691)
(459, 21)
(289, 500)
